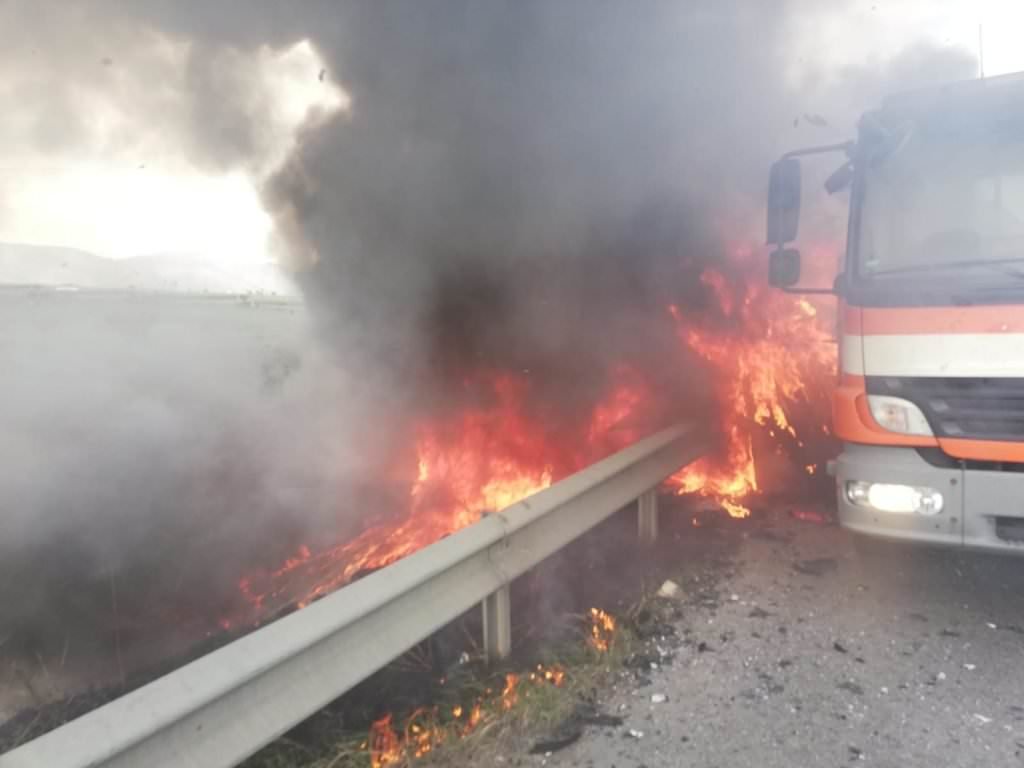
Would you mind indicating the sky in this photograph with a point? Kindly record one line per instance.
(875, 29)
(121, 202)
(120, 199)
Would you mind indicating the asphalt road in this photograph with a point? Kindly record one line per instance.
(798, 647)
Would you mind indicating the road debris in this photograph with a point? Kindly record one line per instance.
(809, 516)
(658, 698)
(816, 567)
(556, 742)
(571, 729)
(982, 719)
(634, 734)
(669, 589)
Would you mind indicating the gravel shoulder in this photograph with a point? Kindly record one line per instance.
(820, 650)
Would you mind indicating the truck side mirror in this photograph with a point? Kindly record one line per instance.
(783, 201)
(784, 267)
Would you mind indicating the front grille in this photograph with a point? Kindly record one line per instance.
(971, 408)
(1010, 529)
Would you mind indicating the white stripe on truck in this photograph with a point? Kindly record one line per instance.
(939, 354)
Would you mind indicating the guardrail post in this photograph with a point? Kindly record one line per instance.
(647, 514)
(498, 624)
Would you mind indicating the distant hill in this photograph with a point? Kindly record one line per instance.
(51, 266)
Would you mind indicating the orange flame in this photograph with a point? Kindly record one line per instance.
(482, 459)
(508, 694)
(422, 733)
(602, 630)
(764, 347)
(383, 743)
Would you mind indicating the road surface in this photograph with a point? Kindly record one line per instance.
(799, 648)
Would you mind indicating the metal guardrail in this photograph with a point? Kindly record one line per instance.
(221, 708)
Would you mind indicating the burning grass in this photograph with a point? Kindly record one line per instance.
(770, 355)
(487, 713)
(773, 357)
(478, 459)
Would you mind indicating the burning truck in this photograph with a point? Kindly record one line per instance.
(930, 403)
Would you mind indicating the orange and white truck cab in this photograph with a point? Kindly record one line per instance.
(930, 401)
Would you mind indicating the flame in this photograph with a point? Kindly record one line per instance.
(768, 351)
(508, 693)
(383, 743)
(478, 460)
(602, 630)
(554, 675)
(423, 733)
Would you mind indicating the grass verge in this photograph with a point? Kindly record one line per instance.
(490, 716)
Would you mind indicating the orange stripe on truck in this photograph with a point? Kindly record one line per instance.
(882, 321)
(983, 450)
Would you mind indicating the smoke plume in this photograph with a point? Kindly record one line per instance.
(516, 186)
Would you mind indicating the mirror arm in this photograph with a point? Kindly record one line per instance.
(849, 147)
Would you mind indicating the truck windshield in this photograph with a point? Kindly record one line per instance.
(942, 203)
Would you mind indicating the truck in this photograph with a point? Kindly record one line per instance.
(929, 403)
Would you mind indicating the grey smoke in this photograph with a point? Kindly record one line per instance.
(520, 186)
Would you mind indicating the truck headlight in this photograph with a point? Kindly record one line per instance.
(895, 498)
(898, 415)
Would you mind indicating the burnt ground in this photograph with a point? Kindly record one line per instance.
(820, 649)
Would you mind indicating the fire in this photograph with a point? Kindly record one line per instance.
(554, 675)
(508, 693)
(383, 743)
(768, 351)
(602, 630)
(480, 459)
(423, 732)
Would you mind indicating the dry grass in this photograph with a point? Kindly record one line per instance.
(507, 726)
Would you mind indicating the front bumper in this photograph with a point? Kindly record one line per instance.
(982, 509)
